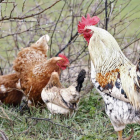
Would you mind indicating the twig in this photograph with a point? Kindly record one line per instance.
(121, 10)
(29, 128)
(6, 116)
(4, 137)
(1, 71)
(23, 5)
(103, 8)
(88, 7)
(14, 5)
(70, 41)
(106, 15)
(32, 15)
(88, 89)
(49, 120)
(1, 1)
(85, 47)
(56, 26)
(131, 43)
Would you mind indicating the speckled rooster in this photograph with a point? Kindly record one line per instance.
(113, 75)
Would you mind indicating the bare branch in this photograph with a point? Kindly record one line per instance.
(14, 5)
(56, 25)
(49, 120)
(23, 5)
(4, 137)
(70, 41)
(131, 43)
(32, 15)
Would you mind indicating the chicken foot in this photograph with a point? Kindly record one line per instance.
(129, 138)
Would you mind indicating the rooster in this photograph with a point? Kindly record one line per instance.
(62, 100)
(10, 89)
(113, 75)
(34, 70)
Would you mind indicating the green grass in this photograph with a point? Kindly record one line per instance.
(89, 122)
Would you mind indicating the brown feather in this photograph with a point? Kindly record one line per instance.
(35, 78)
(11, 94)
(54, 81)
(34, 70)
(103, 80)
(32, 55)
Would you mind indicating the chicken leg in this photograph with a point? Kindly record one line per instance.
(129, 138)
(120, 135)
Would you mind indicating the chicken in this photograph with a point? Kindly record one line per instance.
(34, 70)
(59, 99)
(113, 75)
(10, 90)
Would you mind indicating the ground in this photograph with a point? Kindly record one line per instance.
(89, 122)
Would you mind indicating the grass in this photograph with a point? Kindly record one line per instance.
(89, 122)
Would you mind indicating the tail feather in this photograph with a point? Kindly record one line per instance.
(54, 81)
(80, 80)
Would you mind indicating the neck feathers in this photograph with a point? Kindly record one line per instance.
(46, 68)
(106, 56)
(105, 52)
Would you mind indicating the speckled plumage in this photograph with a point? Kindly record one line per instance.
(107, 56)
(114, 76)
(120, 112)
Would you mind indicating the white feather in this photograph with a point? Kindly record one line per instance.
(106, 56)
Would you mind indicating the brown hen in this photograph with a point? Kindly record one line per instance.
(10, 89)
(34, 70)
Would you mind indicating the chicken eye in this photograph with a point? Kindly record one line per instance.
(87, 30)
(62, 62)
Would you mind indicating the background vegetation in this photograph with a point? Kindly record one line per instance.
(23, 22)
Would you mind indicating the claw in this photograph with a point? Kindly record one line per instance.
(24, 107)
(131, 135)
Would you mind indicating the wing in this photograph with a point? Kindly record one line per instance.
(109, 84)
(51, 91)
(8, 82)
(28, 59)
(9, 89)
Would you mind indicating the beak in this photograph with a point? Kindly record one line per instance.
(68, 65)
(81, 35)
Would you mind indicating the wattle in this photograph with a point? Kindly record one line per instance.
(63, 67)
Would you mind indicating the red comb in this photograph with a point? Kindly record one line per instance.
(63, 56)
(87, 22)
